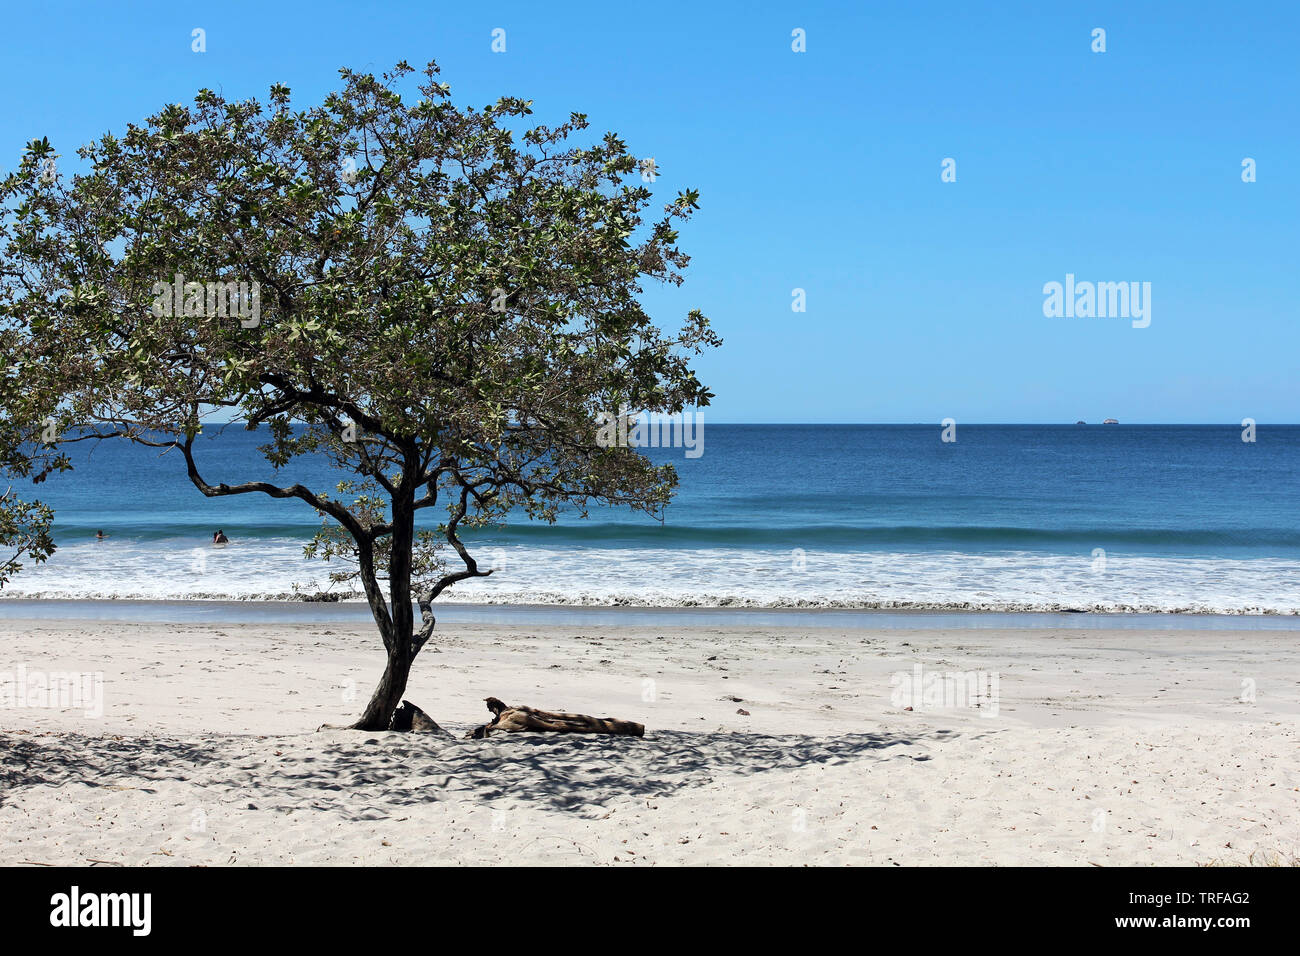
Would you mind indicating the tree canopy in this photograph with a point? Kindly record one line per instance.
(443, 300)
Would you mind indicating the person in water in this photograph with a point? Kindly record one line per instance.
(219, 537)
(100, 535)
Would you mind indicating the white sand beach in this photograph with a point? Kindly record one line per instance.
(1105, 747)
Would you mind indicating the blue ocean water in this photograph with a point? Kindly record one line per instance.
(1007, 517)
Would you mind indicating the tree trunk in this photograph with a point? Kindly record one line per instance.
(396, 619)
(388, 695)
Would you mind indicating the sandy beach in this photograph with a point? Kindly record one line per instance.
(1102, 747)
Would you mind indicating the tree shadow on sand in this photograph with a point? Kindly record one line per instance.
(374, 776)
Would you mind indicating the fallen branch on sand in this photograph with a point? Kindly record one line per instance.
(510, 720)
(507, 719)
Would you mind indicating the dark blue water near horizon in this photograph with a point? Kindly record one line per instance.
(1197, 490)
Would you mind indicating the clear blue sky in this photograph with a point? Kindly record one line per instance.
(821, 170)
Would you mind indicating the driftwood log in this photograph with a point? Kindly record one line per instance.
(510, 720)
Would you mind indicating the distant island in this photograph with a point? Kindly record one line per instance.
(1110, 421)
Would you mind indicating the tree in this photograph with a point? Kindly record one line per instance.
(25, 533)
(442, 300)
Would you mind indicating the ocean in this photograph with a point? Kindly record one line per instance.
(1117, 518)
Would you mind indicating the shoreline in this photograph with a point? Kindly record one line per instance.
(289, 611)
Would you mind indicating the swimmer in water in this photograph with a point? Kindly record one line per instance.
(219, 537)
(100, 535)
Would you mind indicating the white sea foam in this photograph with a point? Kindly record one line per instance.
(709, 577)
